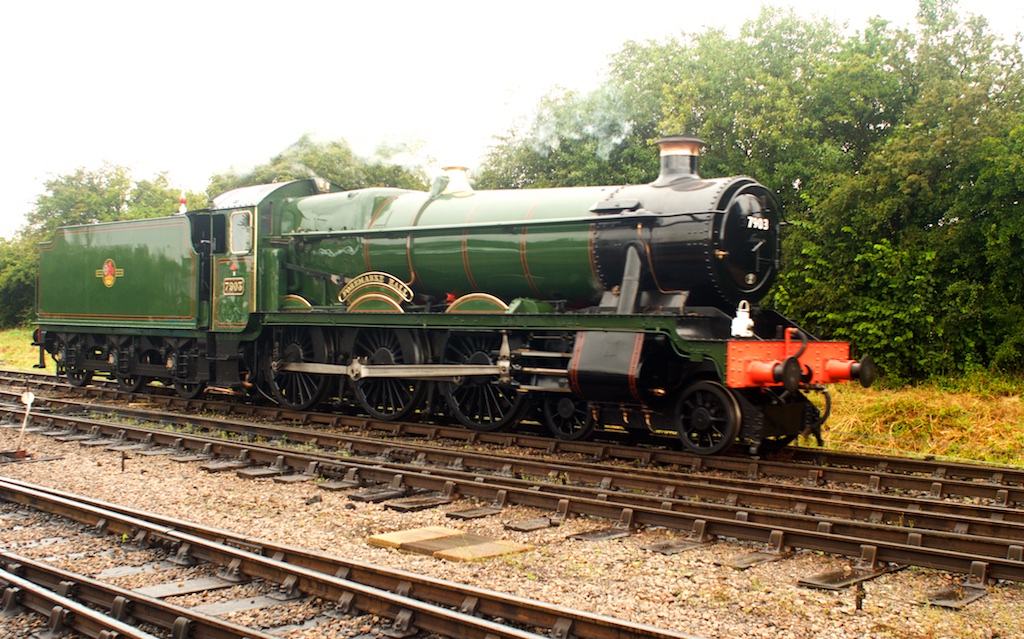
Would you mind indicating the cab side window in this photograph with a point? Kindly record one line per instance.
(241, 232)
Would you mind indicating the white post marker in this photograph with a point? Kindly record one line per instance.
(26, 398)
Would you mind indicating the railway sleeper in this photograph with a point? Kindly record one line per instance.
(864, 569)
(957, 596)
(777, 549)
(539, 523)
(622, 528)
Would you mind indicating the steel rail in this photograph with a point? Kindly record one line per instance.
(424, 616)
(924, 513)
(1002, 486)
(63, 613)
(1002, 557)
(939, 469)
(880, 471)
(126, 607)
(330, 577)
(1001, 498)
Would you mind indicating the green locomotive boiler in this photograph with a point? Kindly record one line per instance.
(613, 308)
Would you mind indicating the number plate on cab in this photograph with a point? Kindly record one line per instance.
(234, 286)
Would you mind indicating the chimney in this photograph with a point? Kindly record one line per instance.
(679, 155)
(458, 181)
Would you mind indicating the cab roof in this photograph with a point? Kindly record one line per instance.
(251, 196)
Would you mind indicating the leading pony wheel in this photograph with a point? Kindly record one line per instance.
(708, 418)
(568, 418)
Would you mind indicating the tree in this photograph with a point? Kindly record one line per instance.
(334, 161)
(929, 210)
(81, 197)
(750, 99)
(601, 137)
(102, 195)
(896, 153)
(18, 271)
(576, 140)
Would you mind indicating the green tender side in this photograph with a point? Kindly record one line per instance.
(134, 274)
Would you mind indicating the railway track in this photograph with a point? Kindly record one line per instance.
(994, 519)
(414, 604)
(879, 530)
(877, 474)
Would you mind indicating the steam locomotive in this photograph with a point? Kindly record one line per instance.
(615, 308)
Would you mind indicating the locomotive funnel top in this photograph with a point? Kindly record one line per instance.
(458, 181)
(679, 155)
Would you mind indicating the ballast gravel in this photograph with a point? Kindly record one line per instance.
(687, 592)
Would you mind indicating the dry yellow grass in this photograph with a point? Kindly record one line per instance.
(981, 422)
(17, 352)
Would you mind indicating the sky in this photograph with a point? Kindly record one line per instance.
(193, 88)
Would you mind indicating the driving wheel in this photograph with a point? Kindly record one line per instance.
(388, 398)
(479, 402)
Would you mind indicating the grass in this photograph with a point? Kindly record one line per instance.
(966, 419)
(976, 417)
(17, 352)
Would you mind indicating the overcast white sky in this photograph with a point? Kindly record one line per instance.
(196, 87)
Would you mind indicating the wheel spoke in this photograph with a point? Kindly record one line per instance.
(477, 402)
(568, 418)
(131, 383)
(299, 391)
(189, 390)
(388, 398)
(79, 377)
(76, 376)
(708, 418)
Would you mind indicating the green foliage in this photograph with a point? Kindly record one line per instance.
(333, 161)
(898, 156)
(885, 304)
(110, 193)
(575, 140)
(81, 197)
(749, 98)
(18, 269)
(940, 192)
(103, 195)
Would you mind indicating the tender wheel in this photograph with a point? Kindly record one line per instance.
(131, 383)
(708, 418)
(480, 403)
(78, 376)
(189, 390)
(297, 390)
(568, 418)
(388, 398)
